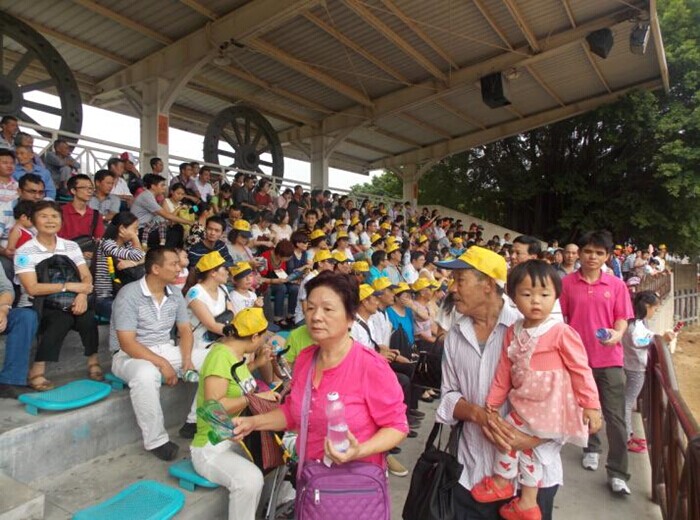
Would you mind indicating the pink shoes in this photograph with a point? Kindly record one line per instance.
(636, 445)
(487, 491)
(512, 511)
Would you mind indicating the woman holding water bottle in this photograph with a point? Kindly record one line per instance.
(345, 375)
(226, 462)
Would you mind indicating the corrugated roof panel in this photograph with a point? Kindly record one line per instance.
(366, 135)
(359, 151)
(398, 125)
(441, 118)
(529, 97)
(222, 7)
(586, 10)
(622, 68)
(168, 17)
(543, 17)
(469, 100)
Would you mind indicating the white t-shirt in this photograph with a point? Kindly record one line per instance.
(120, 187)
(242, 301)
(299, 311)
(215, 306)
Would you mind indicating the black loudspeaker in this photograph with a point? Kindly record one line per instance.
(639, 38)
(600, 42)
(495, 90)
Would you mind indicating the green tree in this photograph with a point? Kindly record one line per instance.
(386, 185)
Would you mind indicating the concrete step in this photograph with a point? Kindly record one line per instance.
(19, 501)
(54, 442)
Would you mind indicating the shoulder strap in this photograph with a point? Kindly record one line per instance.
(305, 407)
(93, 227)
(366, 327)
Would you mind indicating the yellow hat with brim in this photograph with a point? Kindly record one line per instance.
(457, 240)
(243, 227)
(360, 267)
(393, 247)
(341, 234)
(376, 238)
(391, 239)
(339, 223)
(382, 284)
(249, 321)
(340, 257)
(662, 247)
(354, 221)
(483, 260)
(322, 255)
(210, 261)
(401, 288)
(240, 270)
(412, 229)
(316, 233)
(365, 291)
(385, 225)
(618, 247)
(422, 239)
(435, 285)
(420, 284)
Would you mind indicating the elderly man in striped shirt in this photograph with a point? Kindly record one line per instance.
(472, 349)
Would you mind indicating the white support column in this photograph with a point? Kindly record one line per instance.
(319, 163)
(155, 123)
(410, 183)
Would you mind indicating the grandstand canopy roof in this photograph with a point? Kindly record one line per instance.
(387, 82)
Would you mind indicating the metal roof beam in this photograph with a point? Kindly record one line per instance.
(426, 126)
(355, 47)
(248, 21)
(468, 141)
(394, 136)
(428, 91)
(386, 31)
(522, 24)
(419, 32)
(125, 21)
(461, 114)
(659, 45)
(367, 146)
(201, 9)
(304, 68)
(595, 66)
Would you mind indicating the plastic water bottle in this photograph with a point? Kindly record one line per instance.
(190, 376)
(337, 427)
(603, 334)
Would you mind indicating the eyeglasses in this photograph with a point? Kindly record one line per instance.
(34, 192)
(89, 188)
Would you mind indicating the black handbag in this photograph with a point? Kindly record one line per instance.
(435, 475)
(428, 372)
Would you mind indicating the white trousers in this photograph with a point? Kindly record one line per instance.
(144, 380)
(227, 465)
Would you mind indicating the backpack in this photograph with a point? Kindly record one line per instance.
(56, 269)
(399, 341)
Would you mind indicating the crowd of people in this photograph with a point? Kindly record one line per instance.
(196, 275)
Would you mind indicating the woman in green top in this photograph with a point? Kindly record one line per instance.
(226, 463)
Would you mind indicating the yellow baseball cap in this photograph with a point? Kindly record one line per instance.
(340, 257)
(360, 267)
(457, 240)
(393, 247)
(618, 246)
(422, 239)
(483, 260)
(420, 284)
(382, 283)
(435, 285)
(341, 234)
(354, 220)
(240, 270)
(243, 226)
(317, 233)
(339, 223)
(376, 238)
(249, 321)
(391, 239)
(210, 261)
(401, 288)
(662, 247)
(412, 229)
(386, 225)
(365, 291)
(323, 254)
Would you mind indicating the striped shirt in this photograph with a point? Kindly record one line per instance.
(136, 310)
(467, 373)
(30, 254)
(8, 195)
(108, 247)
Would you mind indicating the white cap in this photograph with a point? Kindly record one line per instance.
(333, 396)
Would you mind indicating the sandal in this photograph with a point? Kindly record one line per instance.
(95, 372)
(487, 491)
(512, 511)
(43, 386)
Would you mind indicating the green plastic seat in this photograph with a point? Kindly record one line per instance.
(188, 477)
(75, 394)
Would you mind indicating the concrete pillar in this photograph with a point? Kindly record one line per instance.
(319, 163)
(410, 183)
(155, 123)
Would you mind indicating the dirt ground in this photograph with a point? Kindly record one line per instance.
(687, 363)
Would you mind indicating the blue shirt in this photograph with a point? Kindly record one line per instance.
(406, 322)
(375, 273)
(42, 172)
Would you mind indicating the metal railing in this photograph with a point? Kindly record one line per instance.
(673, 439)
(686, 296)
(93, 154)
(659, 283)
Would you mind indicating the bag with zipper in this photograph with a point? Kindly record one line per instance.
(342, 492)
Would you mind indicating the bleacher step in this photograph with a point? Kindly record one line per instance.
(19, 501)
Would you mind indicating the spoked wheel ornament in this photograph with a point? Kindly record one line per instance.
(240, 137)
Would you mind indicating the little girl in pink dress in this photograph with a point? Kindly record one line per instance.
(544, 374)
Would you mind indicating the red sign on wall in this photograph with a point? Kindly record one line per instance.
(163, 129)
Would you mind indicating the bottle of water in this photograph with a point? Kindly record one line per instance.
(337, 427)
(603, 334)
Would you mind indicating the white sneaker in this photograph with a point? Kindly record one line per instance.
(590, 461)
(395, 467)
(619, 486)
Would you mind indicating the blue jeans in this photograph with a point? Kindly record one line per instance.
(283, 291)
(103, 307)
(21, 330)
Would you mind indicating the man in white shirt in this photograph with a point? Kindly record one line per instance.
(200, 184)
(121, 188)
(473, 348)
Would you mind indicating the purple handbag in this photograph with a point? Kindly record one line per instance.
(342, 492)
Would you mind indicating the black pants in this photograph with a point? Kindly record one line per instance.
(466, 508)
(55, 325)
(404, 373)
(175, 236)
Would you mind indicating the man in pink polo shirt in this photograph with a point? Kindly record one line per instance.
(592, 300)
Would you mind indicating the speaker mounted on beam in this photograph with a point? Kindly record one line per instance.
(495, 90)
(600, 42)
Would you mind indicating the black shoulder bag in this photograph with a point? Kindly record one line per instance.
(435, 475)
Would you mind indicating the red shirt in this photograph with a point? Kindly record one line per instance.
(75, 224)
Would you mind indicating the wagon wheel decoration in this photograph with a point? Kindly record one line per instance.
(28, 63)
(240, 137)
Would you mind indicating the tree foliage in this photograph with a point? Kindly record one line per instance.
(385, 185)
(632, 167)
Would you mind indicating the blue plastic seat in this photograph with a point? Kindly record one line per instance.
(145, 500)
(284, 333)
(116, 382)
(102, 320)
(187, 477)
(75, 394)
